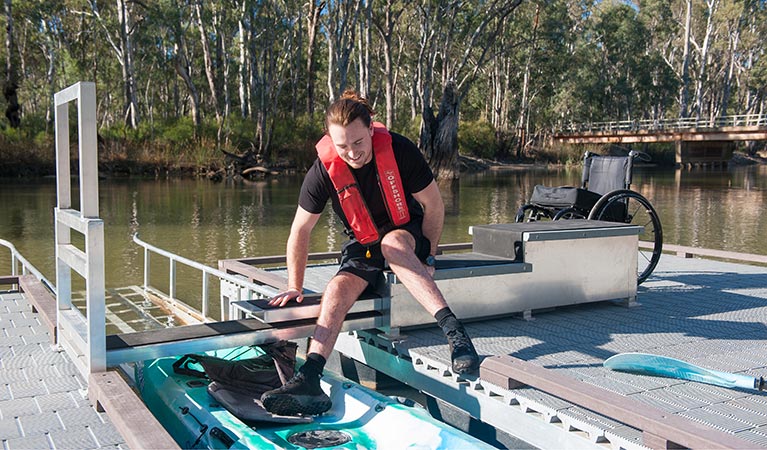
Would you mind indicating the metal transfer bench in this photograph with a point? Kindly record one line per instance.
(510, 268)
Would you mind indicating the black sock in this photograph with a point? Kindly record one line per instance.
(447, 320)
(313, 366)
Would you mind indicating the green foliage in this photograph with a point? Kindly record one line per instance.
(179, 131)
(12, 135)
(568, 155)
(563, 61)
(411, 129)
(293, 134)
(477, 138)
(294, 138)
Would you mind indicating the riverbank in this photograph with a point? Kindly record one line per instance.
(218, 169)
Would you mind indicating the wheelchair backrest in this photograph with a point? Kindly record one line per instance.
(603, 174)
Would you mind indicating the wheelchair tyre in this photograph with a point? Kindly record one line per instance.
(638, 211)
(532, 213)
(569, 213)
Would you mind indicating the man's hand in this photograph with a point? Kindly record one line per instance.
(283, 298)
(429, 269)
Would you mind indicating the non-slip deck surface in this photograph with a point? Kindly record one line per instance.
(43, 403)
(710, 313)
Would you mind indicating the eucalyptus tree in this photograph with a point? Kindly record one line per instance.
(458, 36)
(118, 27)
(751, 66)
(315, 9)
(211, 16)
(386, 21)
(274, 51)
(175, 21)
(38, 56)
(539, 54)
(620, 40)
(340, 25)
(11, 82)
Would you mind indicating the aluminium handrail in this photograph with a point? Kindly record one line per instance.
(207, 272)
(26, 267)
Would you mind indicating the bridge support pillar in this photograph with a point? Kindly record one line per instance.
(703, 153)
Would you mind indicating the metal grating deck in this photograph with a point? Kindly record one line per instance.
(43, 402)
(710, 313)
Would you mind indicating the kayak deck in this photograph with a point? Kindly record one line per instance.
(359, 417)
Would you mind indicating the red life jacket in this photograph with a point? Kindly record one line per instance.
(349, 194)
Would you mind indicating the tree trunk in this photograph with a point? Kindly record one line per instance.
(340, 27)
(732, 51)
(13, 110)
(386, 30)
(704, 59)
(129, 77)
(363, 53)
(439, 135)
(222, 61)
(313, 19)
(244, 61)
(685, 88)
(523, 107)
(209, 74)
(182, 69)
(50, 77)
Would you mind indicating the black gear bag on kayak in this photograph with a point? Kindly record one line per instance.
(252, 376)
(238, 384)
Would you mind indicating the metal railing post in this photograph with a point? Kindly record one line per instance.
(172, 279)
(205, 294)
(146, 268)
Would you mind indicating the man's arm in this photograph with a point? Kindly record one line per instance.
(433, 214)
(297, 255)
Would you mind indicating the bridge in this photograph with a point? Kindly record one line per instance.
(698, 141)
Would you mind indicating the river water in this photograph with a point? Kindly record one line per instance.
(207, 221)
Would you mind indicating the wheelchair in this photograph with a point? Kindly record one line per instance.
(604, 194)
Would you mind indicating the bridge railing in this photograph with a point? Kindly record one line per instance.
(741, 120)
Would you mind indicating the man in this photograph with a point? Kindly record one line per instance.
(384, 192)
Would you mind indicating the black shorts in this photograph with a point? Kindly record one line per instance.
(354, 261)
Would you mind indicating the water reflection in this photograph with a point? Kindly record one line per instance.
(206, 221)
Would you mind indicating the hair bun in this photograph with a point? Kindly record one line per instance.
(354, 96)
(351, 94)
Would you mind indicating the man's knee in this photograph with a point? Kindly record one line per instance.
(396, 242)
(345, 286)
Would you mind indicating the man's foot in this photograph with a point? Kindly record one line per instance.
(299, 395)
(462, 352)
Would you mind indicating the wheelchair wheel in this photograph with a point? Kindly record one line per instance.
(532, 213)
(569, 213)
(631, 207)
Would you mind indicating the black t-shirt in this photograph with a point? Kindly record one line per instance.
(414, 171)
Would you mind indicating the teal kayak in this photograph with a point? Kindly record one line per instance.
(359, 419)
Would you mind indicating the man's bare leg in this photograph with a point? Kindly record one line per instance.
(340, 294)
(398, 247)
(303, 394)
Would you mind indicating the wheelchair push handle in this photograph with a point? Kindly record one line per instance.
(642, 156)
(634, 154)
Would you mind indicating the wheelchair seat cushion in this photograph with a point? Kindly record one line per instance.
(564, 197)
